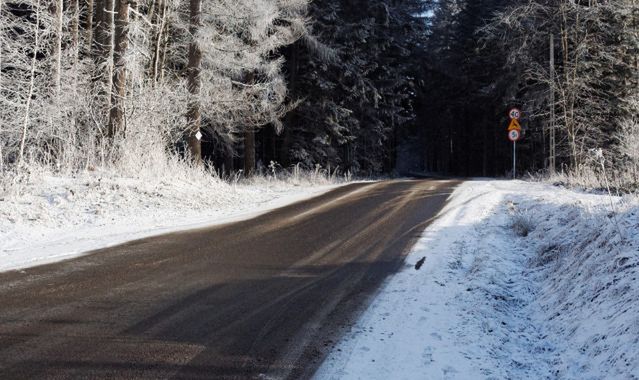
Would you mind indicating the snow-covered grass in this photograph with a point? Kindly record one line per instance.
(47, 215)
(598, 174)
(520, 281)
(595, 179)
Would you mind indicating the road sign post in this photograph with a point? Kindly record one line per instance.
(515, 159)
(514, 134)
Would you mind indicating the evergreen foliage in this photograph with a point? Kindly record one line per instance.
(356, 86)
(491, 55)
(366, 86)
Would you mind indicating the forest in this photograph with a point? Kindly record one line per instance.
(367, 87)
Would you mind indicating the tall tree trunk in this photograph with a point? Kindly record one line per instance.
(484, 155)
(293, 66)
(249, 138)
(160, 24)
(89, 18)
(27, 108)
(151, 11)
(635, 28)
(1, 119)
(249, 152)
(135, 5)
(103, 50)
(97, 26)
(74, 9)
(194, 70)
(57, 8)
(229, 160)
(165, 46)
(121, 44)
(103, 38)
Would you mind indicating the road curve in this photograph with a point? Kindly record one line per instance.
(262, 298)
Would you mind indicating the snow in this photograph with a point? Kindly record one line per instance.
(49, 218)
(520, 280)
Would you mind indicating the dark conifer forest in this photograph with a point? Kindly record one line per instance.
(366, 87)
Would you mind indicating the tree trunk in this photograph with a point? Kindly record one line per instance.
(293, 66)
(1, 9)
(89, 26)
(121, 44)
(194, 70)
(96, 47)
(133, 4)
(151, 11)
(229, 160)
(103, 50)
(249, 137)
(27, 108)
(103, 44)
(57, 8)
(165, 47)
(159, 38)
(249, 152)
(484, 154)
(74, 8)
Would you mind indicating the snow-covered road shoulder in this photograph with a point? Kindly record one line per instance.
(520, 280)
(54, 218)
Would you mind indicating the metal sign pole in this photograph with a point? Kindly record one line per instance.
(552, 153)
(514, 134)
(514, 159)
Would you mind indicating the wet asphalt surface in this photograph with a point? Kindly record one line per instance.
(263, 298)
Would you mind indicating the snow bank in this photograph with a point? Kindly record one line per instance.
(521, 280)
(48, 218)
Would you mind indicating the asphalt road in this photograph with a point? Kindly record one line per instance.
(262, 298)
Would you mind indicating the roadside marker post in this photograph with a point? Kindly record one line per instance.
(514, 134)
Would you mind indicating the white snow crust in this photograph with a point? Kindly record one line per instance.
(520, 281)
(52, 218)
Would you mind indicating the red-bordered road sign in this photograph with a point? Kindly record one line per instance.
(514, 135)
(515, 114)
(514, 124)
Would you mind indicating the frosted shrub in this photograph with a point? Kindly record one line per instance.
(548, 253)
(522, 223)
(628, 140)
(615, 170)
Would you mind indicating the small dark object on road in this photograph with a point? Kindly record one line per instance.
(420, 263)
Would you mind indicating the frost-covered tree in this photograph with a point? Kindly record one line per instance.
(354, 75)
(25, 80)
(120, 50)
(130, 91)
(595, 72)
(244, 84)
(485, 57)
(465, 90)
(194, 73)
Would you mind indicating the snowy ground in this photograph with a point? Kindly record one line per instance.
(49, 218)
(520, 281)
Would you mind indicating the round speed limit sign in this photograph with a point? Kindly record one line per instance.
(514, 135)
(515, 113)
